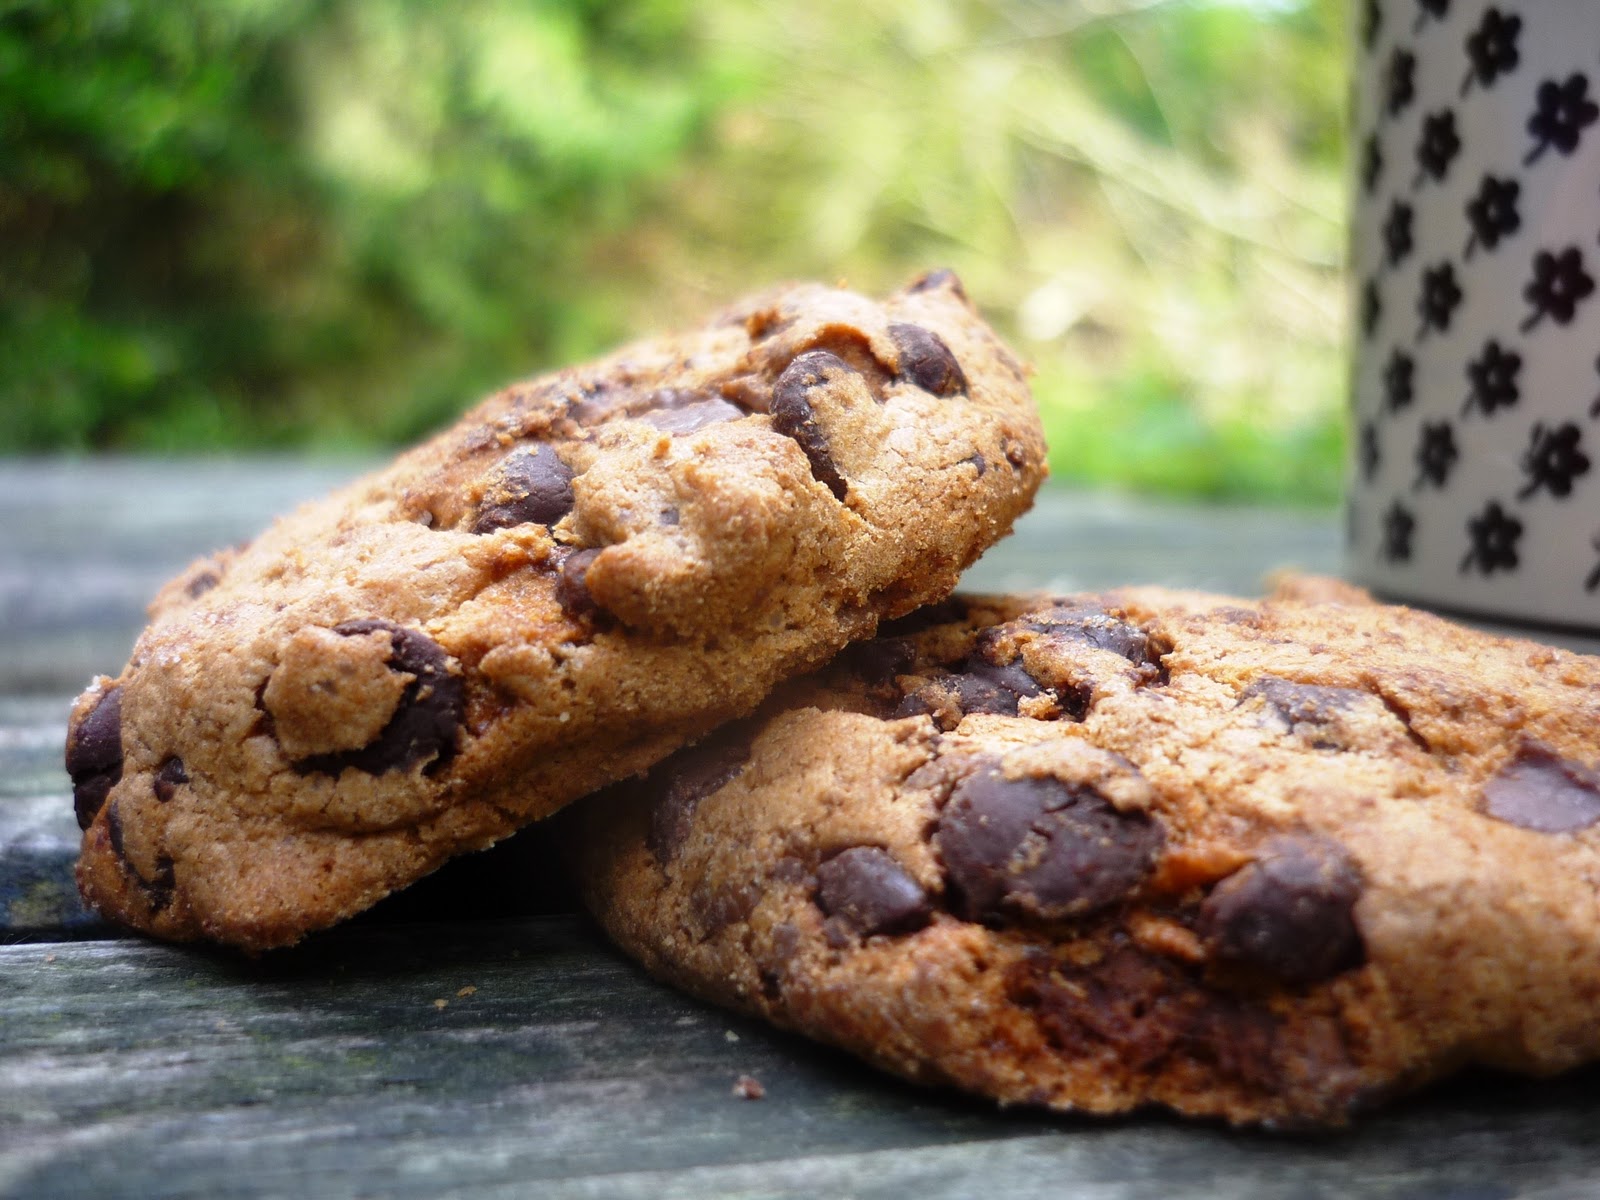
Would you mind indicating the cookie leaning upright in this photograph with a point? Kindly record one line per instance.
(1267, 861)
(585, 572)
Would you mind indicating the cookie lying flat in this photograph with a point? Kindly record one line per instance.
(587, 571)
(1266, 861)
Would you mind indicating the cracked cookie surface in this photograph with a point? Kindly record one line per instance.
(1268, 861)
(585, 572)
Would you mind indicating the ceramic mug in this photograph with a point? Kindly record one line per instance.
(1475, 254)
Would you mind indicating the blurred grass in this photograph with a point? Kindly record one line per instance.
(333, 223)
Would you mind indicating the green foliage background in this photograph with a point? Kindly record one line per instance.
(334, 223)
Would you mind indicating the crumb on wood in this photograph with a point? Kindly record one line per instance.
(441, 1004)
(748, 1087)
(466, 991)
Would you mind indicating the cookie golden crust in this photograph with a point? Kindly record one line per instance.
(1266, 861)
(585, 572)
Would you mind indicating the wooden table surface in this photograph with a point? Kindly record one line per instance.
(474, 1038)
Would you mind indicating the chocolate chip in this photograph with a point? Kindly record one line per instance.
(1541, 791)
(878, 663)
(94, 756)
(793, 414)
(426, 720)
(114, 830)
(1040, 847)
(1309, 710)
(984, 687)
(926, 361)
(942, 277)
(169, 777)
(681, 782)
(571, 586)
(1102, 631)
(690, 417)
(157, 891)
(866, 891)
(202, 583)
(531, 486)
(979, 463)
(1288, 912)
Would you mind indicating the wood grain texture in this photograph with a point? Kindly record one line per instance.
(134, 1069)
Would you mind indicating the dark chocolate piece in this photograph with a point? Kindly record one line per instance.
(926, 361)
(1541, 791)
(171, 774)
(426, 720)
(532, 485)
(1040, 847)
(1288, 912)
(794, 416)
(94, 756)
(864, 890)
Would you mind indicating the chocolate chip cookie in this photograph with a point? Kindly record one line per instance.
(1265, 861)
(587, 571)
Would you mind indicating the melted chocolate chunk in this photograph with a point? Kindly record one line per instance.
(1040, 847)
(688, 418)
(1102, 631)
(94, 756)
(168, 778)
(879, 663)
(684, 780)
(985, 687)
(1541, 791)
(1308, 709)
(572, 588)
(425, 722)
(532, 486)
(1289, 912)
(865, 891)
(1141, 1011)
(926, 361)
(794, 416)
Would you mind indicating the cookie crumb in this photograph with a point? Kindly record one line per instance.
(441, 1004)
(730, 1036)
(49, 958)
(748, 1087)
(467, 991)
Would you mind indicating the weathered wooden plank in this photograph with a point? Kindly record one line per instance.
(131, 1069)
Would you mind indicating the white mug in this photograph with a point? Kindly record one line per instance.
(1475, 257)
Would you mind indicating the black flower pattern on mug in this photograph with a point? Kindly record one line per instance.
(1400, 81)
(1437, 147)
(1438, 299)
(1399, 526)
(1399, 381)
(1559, 285)
(1371, 164)
(1436, 454)
(1553, 460)
(1593, 581)
(1437, 9)
(1594, 405)
(1370, 454)
(1371, 22)
(1492, 48)
(1562, 112)
(1494, 535)
(1397, 236)
(1371, 308)
(1493, 376)
(1492, 213)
